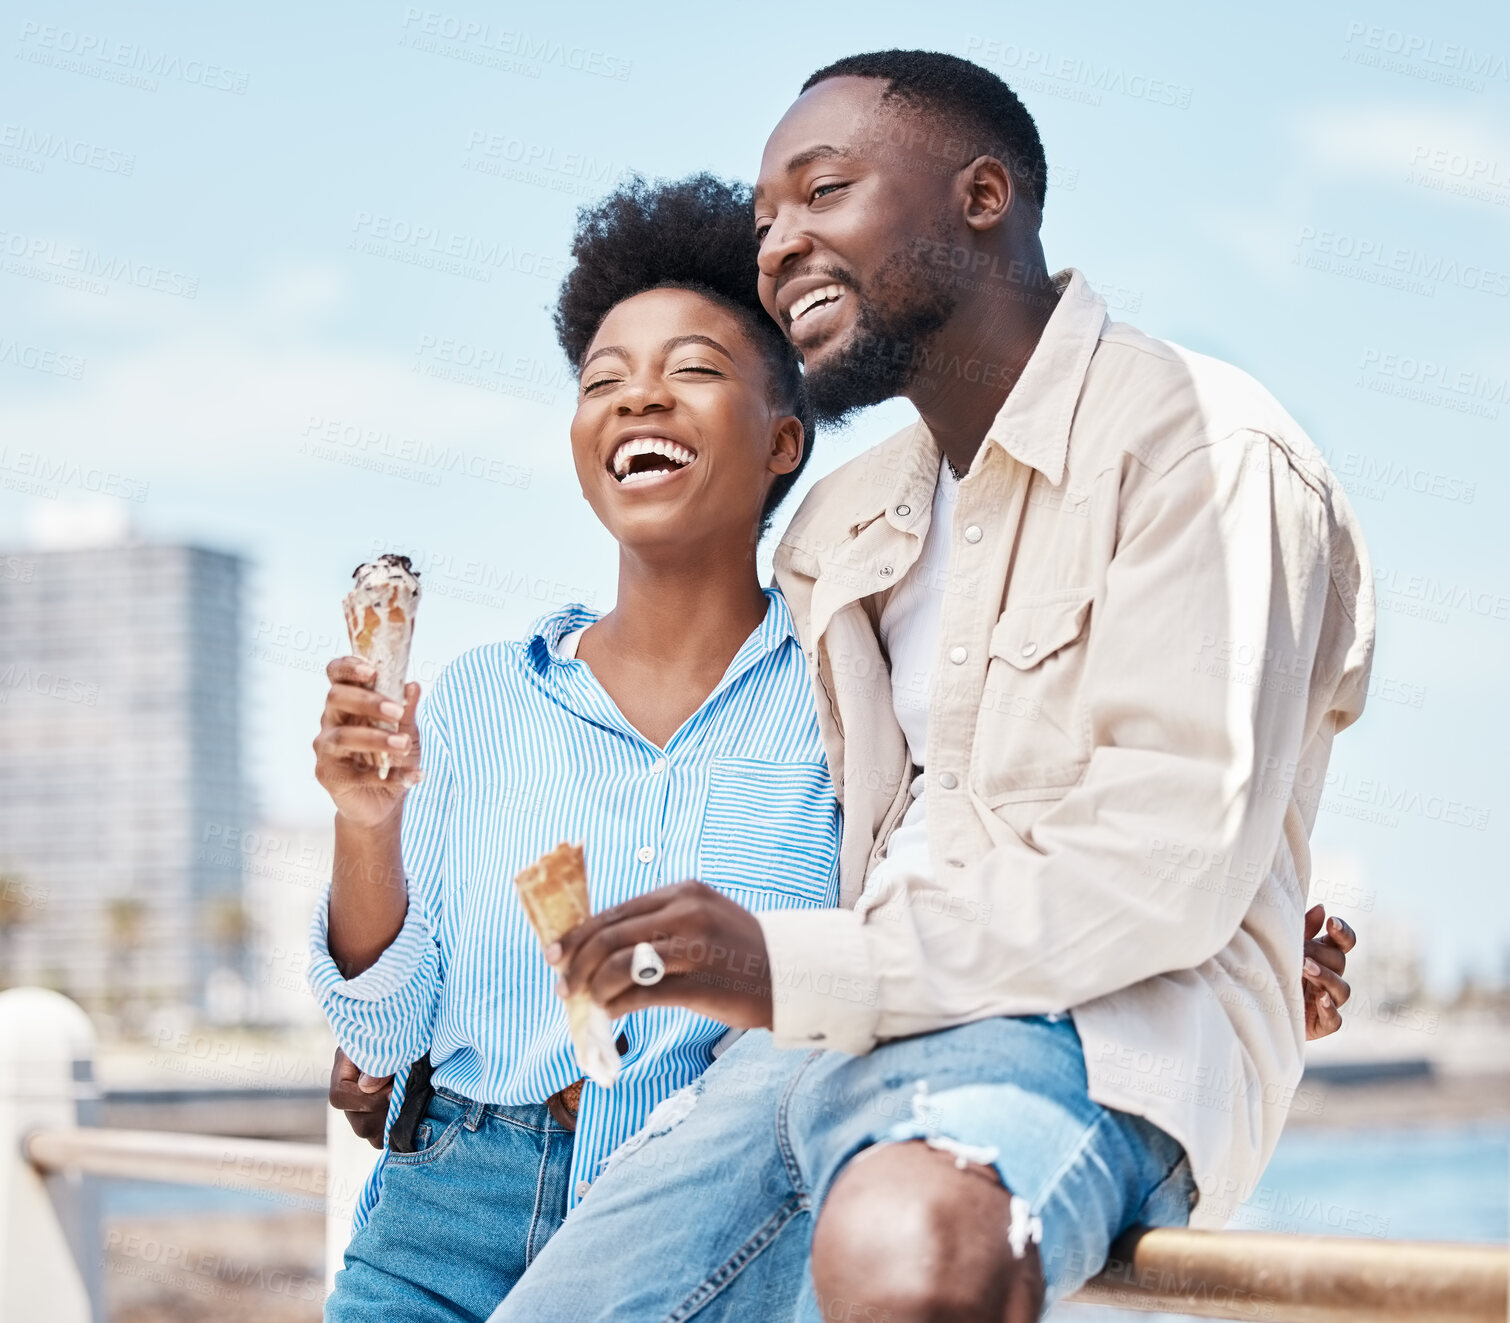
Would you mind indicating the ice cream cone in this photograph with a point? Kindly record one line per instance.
(553, 890)
(380, 612)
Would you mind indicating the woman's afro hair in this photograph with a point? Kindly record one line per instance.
(696, 234)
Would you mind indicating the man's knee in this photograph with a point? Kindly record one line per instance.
(906, 1234)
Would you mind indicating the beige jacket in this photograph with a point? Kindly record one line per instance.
(1159, 613)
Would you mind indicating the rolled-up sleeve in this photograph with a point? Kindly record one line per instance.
(384, 1017)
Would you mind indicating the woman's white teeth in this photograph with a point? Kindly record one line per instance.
(813, 298)
(644, 475)
(628, 451)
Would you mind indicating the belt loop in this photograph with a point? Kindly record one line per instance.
(475, 1112)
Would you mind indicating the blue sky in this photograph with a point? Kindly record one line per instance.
(317, 248)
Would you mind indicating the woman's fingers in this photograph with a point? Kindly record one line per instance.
(409, 722)
(344, 740)
(1340, 935)
(1324, 953)
(1325, 980)
(1322, 1016)
(348, 702)
(1314, 918)
(350, 670)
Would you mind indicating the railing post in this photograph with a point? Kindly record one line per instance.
(50, 1241)
(349, 1160)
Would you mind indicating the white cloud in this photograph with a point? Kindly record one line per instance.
(230, 391)
(1384, 141)
(83, 521)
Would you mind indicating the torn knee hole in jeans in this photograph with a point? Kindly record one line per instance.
(664, 1117)
(1023, 1226)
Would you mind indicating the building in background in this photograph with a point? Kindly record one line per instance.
(122, 778)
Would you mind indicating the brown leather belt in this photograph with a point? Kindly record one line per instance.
(564, 1105)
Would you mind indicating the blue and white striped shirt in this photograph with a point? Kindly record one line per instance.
(523, 749)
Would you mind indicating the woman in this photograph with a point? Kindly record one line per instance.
(675, 737)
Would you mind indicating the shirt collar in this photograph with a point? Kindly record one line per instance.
(1033, 426)
(544, 638)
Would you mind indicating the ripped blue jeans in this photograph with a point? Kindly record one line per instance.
(708, 1212)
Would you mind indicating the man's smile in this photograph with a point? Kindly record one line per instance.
(811, 307)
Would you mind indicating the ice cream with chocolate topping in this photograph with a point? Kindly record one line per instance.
(380, 612)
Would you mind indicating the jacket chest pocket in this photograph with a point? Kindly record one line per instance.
(770, 833)
(1032, 737)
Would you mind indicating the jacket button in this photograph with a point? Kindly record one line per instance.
(1028, 649)
(957, 656)
(972, 534)
(904, 510)
(885, 571)
(948, 780)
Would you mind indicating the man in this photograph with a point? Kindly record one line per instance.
(1083, 636)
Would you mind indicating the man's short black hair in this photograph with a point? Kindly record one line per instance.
(976, 104)
(696, 234)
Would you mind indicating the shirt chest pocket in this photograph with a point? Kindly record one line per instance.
(770, 833)
(1032, 737)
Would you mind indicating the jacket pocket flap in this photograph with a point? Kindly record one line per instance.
(1025, 635)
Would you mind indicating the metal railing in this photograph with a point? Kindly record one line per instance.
(262, 1166)
(46, 1043)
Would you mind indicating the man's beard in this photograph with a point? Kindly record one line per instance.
(877, 362)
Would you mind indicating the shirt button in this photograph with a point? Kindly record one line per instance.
(957, 656)
(948, 780)
(904, 510)
(644, 854)
(582, 1188)
(972, 534)
(659, 765)
(1028, 649)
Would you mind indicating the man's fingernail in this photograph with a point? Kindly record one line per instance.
(560, 987)
(553, 953)
(391, 710)
(1311, 967)
(1325, 1001)
(369, 1083)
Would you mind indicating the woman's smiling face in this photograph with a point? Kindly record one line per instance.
(675, 438)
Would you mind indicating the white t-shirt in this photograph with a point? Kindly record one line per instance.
(910, 627)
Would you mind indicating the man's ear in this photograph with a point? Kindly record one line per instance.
(990, 192)
(787, 445)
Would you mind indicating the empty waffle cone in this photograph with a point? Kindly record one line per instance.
(553, 890)
(380, 620)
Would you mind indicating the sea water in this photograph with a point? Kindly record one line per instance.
(1405, 1184)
